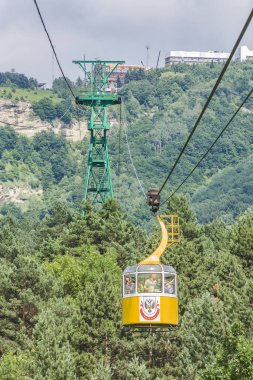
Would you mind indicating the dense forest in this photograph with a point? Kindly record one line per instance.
(60, 299)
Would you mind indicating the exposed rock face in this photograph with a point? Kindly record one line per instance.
(17, 194)
(21, 115)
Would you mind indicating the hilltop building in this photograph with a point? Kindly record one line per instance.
(243, 54)
(191, 57)
(120, 73)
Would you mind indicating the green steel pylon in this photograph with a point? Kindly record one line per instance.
(98, 96)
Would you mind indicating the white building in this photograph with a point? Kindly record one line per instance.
(243, 54)
(191, 57)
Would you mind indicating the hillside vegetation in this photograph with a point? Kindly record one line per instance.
(159, 109)
(48, 104)
(47, 162)
(29, 95)
(60, 280)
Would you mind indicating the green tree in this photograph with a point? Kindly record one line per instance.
(234, 359)
(45, 109)
(103, 371)
(203, 329)
(242, 243)
(137, 370)
(51, 354)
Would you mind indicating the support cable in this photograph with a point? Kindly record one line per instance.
(119, 146)
(78, 121)
(209, 97)
(131, 158)
(60, 118)
(52, 46)
(211, 146)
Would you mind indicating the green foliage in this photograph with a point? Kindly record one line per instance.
(24, 284)
(61, 88)
(44, 161)
(233, 360)
(25, 94)
(61, 298)
(52, 357)
(242, 244)
(102, 372)
(203, 328)
(14, 366)
(52, 149)
(20, 80)
(134, 75)
(45, 109)
(8, 139)
(137, 370)
(160, 109)
(48, 110)
(189, 228)
(106, 229)
(60, 272)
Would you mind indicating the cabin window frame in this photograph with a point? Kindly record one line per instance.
(149, 274)
(174, 294)
(133, 275)
(136, 293)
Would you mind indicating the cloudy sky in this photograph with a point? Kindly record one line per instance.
(111, 29)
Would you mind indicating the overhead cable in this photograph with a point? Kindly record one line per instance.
(119, 146)
(131, 159)
(209, 97)
(52, 46)
(211, 146)
(60, 118)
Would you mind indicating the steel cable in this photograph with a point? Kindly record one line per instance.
(130, 155)
(211, 146)
(209, 97)
(52, 46)
(119, 146)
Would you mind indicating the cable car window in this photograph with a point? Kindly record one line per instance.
(150, 268)
(150, 283)
(130, 269)
(168, 268)
(169, 283)
(129, 284)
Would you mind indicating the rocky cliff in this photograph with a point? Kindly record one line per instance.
(23, 120)
(17, 194)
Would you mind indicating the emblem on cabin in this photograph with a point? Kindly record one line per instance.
(149, 309)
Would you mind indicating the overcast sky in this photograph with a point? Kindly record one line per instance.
(110, 29)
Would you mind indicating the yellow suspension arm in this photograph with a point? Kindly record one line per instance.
(154, 258)
(170, 235)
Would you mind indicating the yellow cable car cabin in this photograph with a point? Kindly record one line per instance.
(150, 296)
(150, 288)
